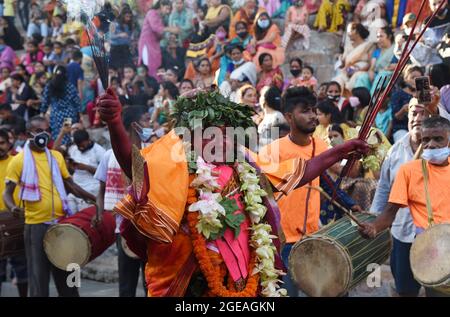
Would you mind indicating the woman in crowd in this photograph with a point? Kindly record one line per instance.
(174, 55)
(246, 14)
(296, 29)
(33, 55)
(331, 16)
(334, 93)
(399, 101)
(218, 14)
(204, 77)
(356, 60)
(121, 38)
(382, 60)
(63, 100)
(359, 101)
(152, 32)
(295, 68)
(243, 37)
(272, 116)
(186, 85)
(267, 40)
(269, 75)
(328, 115)
(169, 93)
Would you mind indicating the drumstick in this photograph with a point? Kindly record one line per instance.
(334, 202)
(418, 152)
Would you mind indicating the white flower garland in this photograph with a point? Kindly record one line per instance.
(209, 209)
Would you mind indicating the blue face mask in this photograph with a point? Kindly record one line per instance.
(263, 24)
(436, 156)
(145, 134)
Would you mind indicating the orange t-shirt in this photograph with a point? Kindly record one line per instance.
(409, 190)
(293, 206)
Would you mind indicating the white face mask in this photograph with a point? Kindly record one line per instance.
(436, 156)
(263, 24)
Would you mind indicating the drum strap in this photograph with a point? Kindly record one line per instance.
(427, 193)
(308, 193)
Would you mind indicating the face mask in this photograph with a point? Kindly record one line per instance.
(295, 72)
(242, 35)
(239, 62)
(436, 156)
(334, 98)
(41, 139)
(263, 24)
(336, 141)
(221, 35)
(144, 133)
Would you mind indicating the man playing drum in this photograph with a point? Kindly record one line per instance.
(300, 210)
(19, 261)
(42, 189)
(196, 207)
(403, 230)
(421, 185)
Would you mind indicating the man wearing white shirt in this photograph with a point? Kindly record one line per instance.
(86, 156)
(403, 229)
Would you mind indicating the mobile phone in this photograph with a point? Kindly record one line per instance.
(423, 88)
(68, 121)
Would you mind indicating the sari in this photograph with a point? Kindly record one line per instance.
(297, 32)
(330, 16)
(242, 16)
(273, 48)
(359, 56)
(272, 78)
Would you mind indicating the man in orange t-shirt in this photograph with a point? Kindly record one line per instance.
(408, 189)
(300, 209)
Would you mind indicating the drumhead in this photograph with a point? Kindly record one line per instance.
(127, 250)
(430, 255)
(320, 267)
(66, 244)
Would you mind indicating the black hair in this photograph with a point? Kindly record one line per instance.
(334, 83)
(259, 32)
(230, 47)
(243, 23)
(57, 85)
(49, 44)
(132, 114)
(5, 106)
(337, 128)
(17, 77)
(297, 97)
(121, 17)
(40, 75)
(58, 43)
(161, 3)
(70, 41)
(361, 30)
(328, 107)
(390, 34)
(436, 122)
(4, 134)
(199, 61)
(174, 70)
(130, 66)
(298, 60)
(273, 98)
(171, 88)
(262, 57)
(36, 118)
(77, 55)
(310, 69)
(284, 128)
(80, 136)
(363, 94)
(187, 81)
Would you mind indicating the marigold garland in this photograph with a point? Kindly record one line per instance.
(213, 275)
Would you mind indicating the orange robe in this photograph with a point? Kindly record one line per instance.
(171, 263)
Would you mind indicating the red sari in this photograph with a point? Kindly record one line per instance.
(272, 78)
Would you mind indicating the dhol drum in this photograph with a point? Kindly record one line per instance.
(74, 240)
(430, 258)
(11, 234)
(334, 259)
(126, 249)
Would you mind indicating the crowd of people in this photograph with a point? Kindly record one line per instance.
(159, 50)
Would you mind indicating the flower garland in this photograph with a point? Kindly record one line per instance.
(204, 220)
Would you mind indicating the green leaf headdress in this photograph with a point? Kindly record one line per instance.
(210, 109)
